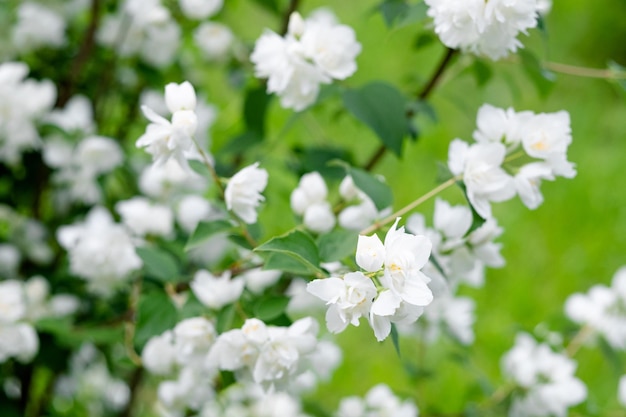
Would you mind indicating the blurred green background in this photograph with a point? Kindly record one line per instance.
(576, 239)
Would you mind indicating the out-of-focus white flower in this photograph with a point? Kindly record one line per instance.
(200, 9)
(22, 103)
(313, 52)
(10, 259)
(153, 35)
(379, 401)
(602, 309)
(12, 301)
(527, 182)
(37, 26)
(100, 251)
(621, 391)
(483, 176)
(216, 292)
(159, 354)
(545, 378)
(270, 355)
(76, 116)
(308, 199)
(214, 39)
(19, 341)
(243, 192)
(360, 215)
(166, 181)
(483, 27)
(191, 210)
(258, 279)
(145, 218)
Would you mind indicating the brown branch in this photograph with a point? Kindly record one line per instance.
(422, 95)
(293, 6)
(86, 48)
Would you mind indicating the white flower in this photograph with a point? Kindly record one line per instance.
(159, 354)
(379, 401)
(19, 341)
(145, 218)
(96, 155)
(37, 26)
(319, 218)
(164, 139)
(243, 192)
(483, 27)
(484, 179)
(500, 125)
(216, 292)
(191, 210)
(76, 116)
(602, 308)
(214, 39)
(546, 379)
(348, 299)
(12, 301)
(168, 180)
(527, 182)
(259, 279)
(22, 103)
(621, 390)
(10, 259)
(100, 251)
(193, 339)
(313, 52)
(310, 190)
(200, 9)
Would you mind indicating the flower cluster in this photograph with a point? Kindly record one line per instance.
(379, 401)
(309, 201)
(144, 28)
(483, 27)
(314, 51)
(544, 137)
(269, 356)
(90, 383)
(21, 304)
(402, 289)
(603, 309)
(37, 26)
(546, 381)
(100, 251)
(24, 102)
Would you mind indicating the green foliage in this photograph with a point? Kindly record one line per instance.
(159, 264)
(337, 245)
(155, 314)
(542, 78)
(270, 307)
(206, 230)
(373, 186)
(383, 109)
(294, 251)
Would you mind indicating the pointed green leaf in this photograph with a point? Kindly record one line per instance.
(377, 190)
(395, 338)
(270, 307)
(383, 108)
(205, 230)
(159, 264)
(297, 245)
(337, 245)
(155, 314)
(541, 77)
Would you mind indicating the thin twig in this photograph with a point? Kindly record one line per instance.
(293, 6)
(409, 207)
(578, 340)
(609, 74)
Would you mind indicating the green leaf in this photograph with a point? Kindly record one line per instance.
(481, 71)
(69, 335)
(285, 263)
(424, 39)
(271, 5)
(383, 109)
(225, 318)
(205, 230)
(395, 338)
(337, 245)
(270, 307)
(297, 245)
(443, 172)
(399, 13)
(159, 264)
(541, 77)
(317, 158)
(377, 190)
(254, 110)
(155, 314)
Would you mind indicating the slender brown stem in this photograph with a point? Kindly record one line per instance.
(421, 95)
(293, 6)
(86, 48)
